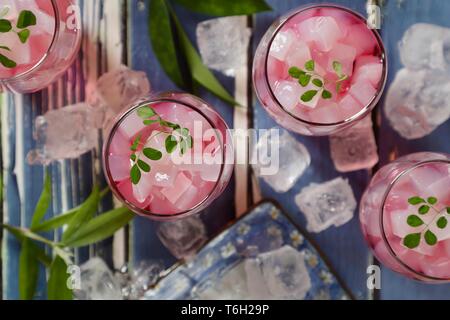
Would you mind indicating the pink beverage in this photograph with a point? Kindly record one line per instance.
(39, 39)
(169, 156)
(405, 215)
(319, 69)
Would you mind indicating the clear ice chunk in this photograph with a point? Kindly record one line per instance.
(65, 133)
(142, 278)
(327, 204)
(418, 102)
(223, 53)
(279, 159)
(354, 148)
(183, 237)
(98, 282)
(278, 274)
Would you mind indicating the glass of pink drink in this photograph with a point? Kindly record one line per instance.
(319, 69)
(38, 42)
(405, 215)
(169, 156)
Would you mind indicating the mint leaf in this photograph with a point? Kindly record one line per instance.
(150, 122)
(430, 238)
(432, 200)
(415, 200)
(6, 62)
(442, 223)
(152, 154)
(26, 19)
(424, 209)
(133, 157)
(146, 112)
(183, 147)
(412, 240)
(448, 210)
(135, 174)
(190, 142)
(144, 166)
(304, 80)
(310, 65)
(318, 83)
(5, 26)
(223, 8)
(136, 142)
(414, 221)
(5, 48)
(308, 95)
(326, 94)
(171, 144)
(295, 72)
(24, 35)
(337, 67)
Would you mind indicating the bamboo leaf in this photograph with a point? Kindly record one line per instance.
(226, 7)
(28, 270)
(57, 286)
(44, 201)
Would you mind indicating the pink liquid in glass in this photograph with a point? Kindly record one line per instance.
(35, 54)
(176, 183)
(405, 215)
(343, 61)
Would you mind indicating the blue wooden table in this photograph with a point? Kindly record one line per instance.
(126, 41)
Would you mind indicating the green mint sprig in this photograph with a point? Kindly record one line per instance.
(308, 75)
(177, 137)
(424, 207)
(26, 19)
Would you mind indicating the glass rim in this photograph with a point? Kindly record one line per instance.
(41, 61)
(160, 98)
(369, 107)
(391, 251)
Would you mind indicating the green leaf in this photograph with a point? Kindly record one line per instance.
(163, 41)
(430, 238)
(190, 142)
(146, 112)
(6, 62)
(135, 174)
(55, 222)
(414, 221)
(448, 210)
(442, 223)
(133, 157)
(44, 201)
(308, 95)
(150, 122)
(295, 72)
(100, 228)
(415, 200)
(310, 65)
(152, 154)
(57, 284)
(412, 240)
(4, 11)
(183, 146)
(432, 200)
(304, 80)
(337, 67)
(169, 124)
(24, 35)
(84, 214)
(200, 73)
(226, 8)
(5, 48)
(326, 94)
(144, 166)
(26, 19)
(5, 26)
(22, 233)
(28, 270)
(424, 209)
(318, 83)
(136, 142)
(171, 144)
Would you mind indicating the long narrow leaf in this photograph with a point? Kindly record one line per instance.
(28, 270)
(226, 7)
(86, 212)
(57, 286)
(200, 73)
(56, 222)
(22, 233)
(162, 40)
(43, 202)
(100, 228)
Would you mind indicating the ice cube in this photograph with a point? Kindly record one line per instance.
(354, 149)
(183, 237)
(343, 54)
(418, 102)
(323, 31)
(330, 113)
(426, 46)
(327, 204)
(298, 55)
(142, 278)
(127, 190)
(119, 166)
(288, 93)
(180, 186)
(279, 159)
(363, 91)
(65, 133)
(120, 144)
(281, 44)
(18, 51)
(277, 70)
(360, 37)
(97, 282)
(278, 274)
(370, 70)
(349, 106)
(223, 53)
